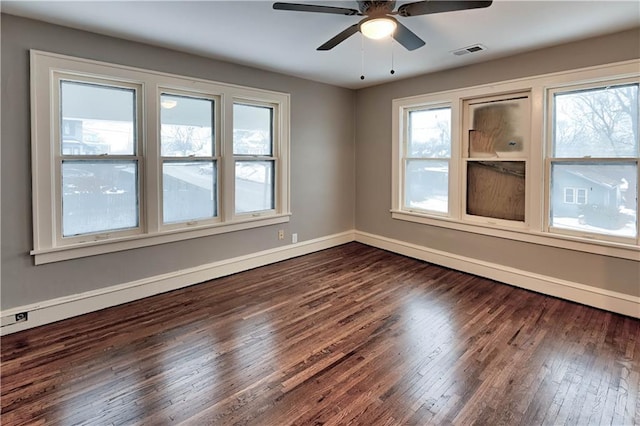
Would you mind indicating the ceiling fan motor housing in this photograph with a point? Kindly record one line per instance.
(376, 8)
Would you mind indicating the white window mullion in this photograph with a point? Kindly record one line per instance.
(228, 163)
(152, 168)
(456, 162)
(535, 187)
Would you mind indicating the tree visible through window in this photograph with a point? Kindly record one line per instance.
(595, 149)
(189, 168)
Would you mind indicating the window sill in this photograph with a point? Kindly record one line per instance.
(587, 245)
(58, 254)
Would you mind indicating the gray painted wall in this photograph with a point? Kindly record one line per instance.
(373, 166)
(322, 159)
(327, 195)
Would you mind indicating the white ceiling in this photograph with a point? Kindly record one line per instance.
(252, 33)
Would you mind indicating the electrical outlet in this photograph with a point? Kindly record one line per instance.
(294, 238)
(281, 234)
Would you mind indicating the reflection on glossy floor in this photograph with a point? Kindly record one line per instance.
(350, 335)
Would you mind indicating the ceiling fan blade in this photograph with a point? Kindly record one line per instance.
(340, 38)
(407, 38)
(297, 7)
(438, 6)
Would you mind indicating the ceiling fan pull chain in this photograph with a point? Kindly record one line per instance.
(361, 57)
(392, 70)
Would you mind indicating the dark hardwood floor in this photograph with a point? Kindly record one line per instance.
(349, 335)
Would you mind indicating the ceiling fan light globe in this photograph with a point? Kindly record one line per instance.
(168, 103)
(378, 28)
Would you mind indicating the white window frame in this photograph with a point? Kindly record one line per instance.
(275, 151)
(550, 160)
(216, 98)
(585, 196)
(49, 246)
(406, 158)
(535, 229)
(575, 195)
(57, 77)
(572, 195)
(466, 158)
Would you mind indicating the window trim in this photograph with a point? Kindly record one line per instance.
(276, 149)
(537, 190)
(572, 191)
(405, 158)
(467, 158)
(216, 157)
(613, 80)
(48, 249)
(58, 76)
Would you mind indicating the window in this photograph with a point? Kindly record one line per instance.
(575, 195)
(426, 161)
(98, 162)
(132, 157)
(254, 160)
(189, 164)
(581, 196)
(497, 133)
(569, 195)
(594, 144)
(550, 159)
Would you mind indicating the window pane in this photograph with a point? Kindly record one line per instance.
(429, 133)
(499, 128)
(189, 191)
(605, 199)
(600, 122)
(496, 189)
(427, 185)
(99, 196)
(252, 130)
(254, 186)
(186, 126)
(569, 195)
(97, 119)
(581, 196)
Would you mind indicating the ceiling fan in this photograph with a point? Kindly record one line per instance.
(379, 18)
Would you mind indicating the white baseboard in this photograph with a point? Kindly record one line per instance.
(66, 307)
(592, 296)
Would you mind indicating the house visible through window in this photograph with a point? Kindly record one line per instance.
(594, 145)
(543, 159)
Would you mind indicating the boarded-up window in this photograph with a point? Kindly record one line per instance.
(498, 132)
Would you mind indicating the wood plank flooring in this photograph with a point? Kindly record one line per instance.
(348, 336)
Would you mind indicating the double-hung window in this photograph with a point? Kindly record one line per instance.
(593, 159)
(255, 163)
(188, 154)
(549, 159)
(97, 157)
(125, 157)
(427, 153)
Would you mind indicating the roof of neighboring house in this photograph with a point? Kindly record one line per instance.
(595, 177)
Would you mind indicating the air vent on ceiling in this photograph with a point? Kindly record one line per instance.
(469, 49)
